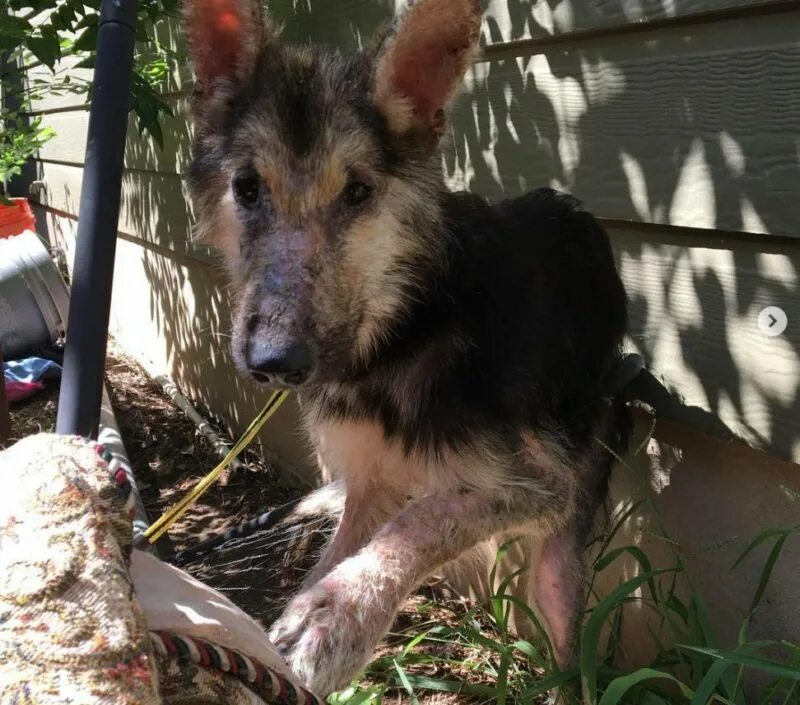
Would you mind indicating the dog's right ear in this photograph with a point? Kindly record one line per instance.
(421, 63)
(225, 38)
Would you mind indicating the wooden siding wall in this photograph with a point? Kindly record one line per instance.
(676, 121)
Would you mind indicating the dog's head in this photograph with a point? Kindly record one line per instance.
(318, 176)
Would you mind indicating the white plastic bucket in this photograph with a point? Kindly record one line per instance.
(33, 297)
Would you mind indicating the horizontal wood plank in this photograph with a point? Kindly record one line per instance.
(692, 128)
(141, 151)
(514, 20)
(697, 129)
(154, 207)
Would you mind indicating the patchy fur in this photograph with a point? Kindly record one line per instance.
(451, 355)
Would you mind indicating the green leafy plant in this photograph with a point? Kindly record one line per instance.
(19, 140)
(42, 33)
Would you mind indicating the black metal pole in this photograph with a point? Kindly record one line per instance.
(93, 270)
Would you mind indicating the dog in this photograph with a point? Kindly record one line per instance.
(450, 355)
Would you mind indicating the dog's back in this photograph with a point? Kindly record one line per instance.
(544, 300)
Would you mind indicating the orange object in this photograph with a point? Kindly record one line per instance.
(16, 217)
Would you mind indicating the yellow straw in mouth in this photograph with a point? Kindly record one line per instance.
(156, 530)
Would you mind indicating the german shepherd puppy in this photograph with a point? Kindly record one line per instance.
(450, 355)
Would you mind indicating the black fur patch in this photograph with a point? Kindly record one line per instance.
(516, 329)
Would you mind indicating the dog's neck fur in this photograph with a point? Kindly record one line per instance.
(419, 358)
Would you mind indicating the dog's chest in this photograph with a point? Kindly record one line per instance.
(361, 454)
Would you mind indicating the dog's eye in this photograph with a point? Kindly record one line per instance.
(356, 193)
(247, 189)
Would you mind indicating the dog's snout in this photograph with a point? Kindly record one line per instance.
(289, 363)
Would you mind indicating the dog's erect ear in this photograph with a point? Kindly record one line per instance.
(421, 63)
(225, 38)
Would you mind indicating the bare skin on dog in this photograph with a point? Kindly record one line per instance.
(450, 355)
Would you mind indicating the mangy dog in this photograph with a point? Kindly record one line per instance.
(450, 355)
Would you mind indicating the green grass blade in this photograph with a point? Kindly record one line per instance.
(530, 651)
(354, 696)
(604, 561)
(764, 535)
(708, 684)
(791, 692)
(590, 637)
(619, 522)
(766, 572)
(475, 637)
(721, 699)
(498, 558)
(502, 680)
(534, 620)
(449, 686)
(414, 642)
(617, 689)
(401, 674)
(615, 635)
(558, 680)
(759, 663)
(648, 697)
(676, 606)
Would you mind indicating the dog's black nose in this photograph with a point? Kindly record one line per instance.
(270, 362)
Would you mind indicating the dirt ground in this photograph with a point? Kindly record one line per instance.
(168, 456)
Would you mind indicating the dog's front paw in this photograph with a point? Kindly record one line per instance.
(328, 633)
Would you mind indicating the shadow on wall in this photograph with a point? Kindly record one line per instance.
(692, 126)
(687, 127)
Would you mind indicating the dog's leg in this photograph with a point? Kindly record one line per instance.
(559, 589)
(559, 579)
(365, 509)
(329, 631)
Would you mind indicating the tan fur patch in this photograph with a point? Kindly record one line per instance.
(296, 195)
(372, 250)
(223, 230)
(299, 187)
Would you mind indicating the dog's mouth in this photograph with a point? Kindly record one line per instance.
(290, 381)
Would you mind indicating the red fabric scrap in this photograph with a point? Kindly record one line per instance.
(18, 391)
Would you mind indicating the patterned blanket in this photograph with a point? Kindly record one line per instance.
(87, 620)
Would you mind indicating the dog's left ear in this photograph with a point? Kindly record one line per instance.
(420, 64)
